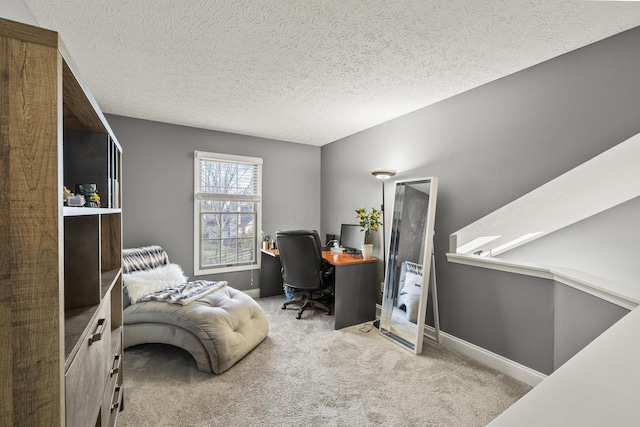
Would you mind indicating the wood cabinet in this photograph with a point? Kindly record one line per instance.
(60, 267)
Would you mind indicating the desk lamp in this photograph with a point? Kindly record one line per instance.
(383, 174)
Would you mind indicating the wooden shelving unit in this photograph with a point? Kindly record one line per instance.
(61, 267)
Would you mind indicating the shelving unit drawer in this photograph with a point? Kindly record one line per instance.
(114, 409)
(112, 397)
(89, 370)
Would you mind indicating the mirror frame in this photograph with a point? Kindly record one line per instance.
(390, 287)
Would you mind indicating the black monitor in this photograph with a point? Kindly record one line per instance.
(351, 236)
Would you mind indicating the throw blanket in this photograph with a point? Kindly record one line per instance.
(185, 293)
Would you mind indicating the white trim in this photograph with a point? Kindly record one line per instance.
(230, 269)
(476, 243)
(506, 366)
(492, 360)
(501, 265)
(227, 157)
(616, 293)
(608, 290)
(430, 332)
(253, 293)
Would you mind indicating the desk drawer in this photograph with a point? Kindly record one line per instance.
(87, 375)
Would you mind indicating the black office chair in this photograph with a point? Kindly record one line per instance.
(304, 270)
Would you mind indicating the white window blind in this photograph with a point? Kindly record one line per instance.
(227, 212)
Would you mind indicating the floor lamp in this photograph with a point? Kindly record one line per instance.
(383, 174)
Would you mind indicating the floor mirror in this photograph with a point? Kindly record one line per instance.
(409, 269)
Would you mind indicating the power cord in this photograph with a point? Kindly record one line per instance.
(366, 327)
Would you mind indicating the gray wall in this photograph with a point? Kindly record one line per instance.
(489, 146)
(16, 10)
(157, 186)
(506, 313)
(579, 318)
(539, 323)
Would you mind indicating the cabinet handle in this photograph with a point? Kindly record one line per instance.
(116, 365)
(116, 405)
(97, 335)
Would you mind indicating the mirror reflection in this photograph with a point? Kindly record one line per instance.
(409, 265)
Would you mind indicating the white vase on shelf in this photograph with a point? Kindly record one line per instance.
(367, 250)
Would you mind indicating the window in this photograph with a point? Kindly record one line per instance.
(227, 212)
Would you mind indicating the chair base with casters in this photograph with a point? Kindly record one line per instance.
(307, 301)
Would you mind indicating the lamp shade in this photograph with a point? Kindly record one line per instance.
(383, 173)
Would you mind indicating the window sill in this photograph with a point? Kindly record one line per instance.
(212, 271)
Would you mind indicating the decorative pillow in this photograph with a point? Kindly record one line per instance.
(412, 284)
(142, 283)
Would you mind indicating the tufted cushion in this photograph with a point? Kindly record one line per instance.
(228, 323)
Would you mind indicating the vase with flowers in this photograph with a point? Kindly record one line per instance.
(368, 221)
(266, 241)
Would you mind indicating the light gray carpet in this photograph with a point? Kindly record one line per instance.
(307, 374)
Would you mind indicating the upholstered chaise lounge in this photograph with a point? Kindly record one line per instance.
(218, 329)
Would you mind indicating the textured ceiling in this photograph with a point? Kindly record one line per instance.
(310, 71)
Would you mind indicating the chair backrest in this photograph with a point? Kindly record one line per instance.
(301, 258)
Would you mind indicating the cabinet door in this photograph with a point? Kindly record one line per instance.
(89, 370)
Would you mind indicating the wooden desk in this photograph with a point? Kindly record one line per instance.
(270, 274)
(356, 284)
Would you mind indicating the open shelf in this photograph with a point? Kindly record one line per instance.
(73, 211)
(107, 280)
(92, 158)
(76, 322)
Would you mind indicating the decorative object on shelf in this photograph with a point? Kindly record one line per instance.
(368, 221)
(70, 199)
(75, 201)
(66, 193)
(89, 191)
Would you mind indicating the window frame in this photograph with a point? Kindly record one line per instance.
(198, 157)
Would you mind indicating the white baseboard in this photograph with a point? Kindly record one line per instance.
(492, 360)
(495, 361)
(253, 293)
